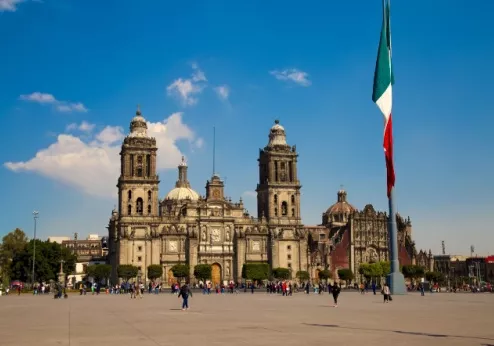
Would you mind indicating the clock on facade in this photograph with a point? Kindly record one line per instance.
(172, 246)
(216, 194)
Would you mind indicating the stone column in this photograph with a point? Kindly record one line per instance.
(192, 255)
(241, 250)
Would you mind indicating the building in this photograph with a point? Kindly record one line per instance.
(58, 239)
(185, 227)
(89, 251)
(349, 237)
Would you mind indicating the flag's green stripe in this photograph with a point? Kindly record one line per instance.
(382, 74)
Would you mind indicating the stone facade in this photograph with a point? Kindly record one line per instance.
(189, 229)
(355, 237)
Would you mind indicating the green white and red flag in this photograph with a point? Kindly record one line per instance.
(383, 92)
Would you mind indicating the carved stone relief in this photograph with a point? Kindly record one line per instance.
(256, 245)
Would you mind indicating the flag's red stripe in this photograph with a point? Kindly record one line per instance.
(388, 153)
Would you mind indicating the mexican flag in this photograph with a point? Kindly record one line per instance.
(383, 92)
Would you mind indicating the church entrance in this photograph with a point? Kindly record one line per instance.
(171, 278)
(316, 279)
(215, 274)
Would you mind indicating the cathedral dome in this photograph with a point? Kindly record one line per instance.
(182, 188)
(341, 206)
(181, 193)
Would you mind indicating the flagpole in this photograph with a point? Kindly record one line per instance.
(395, 279)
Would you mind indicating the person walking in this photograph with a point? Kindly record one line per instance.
(335, 290)
(184, 293)
(386, 293)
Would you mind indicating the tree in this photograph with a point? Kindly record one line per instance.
(345, 274)
(435, 277)
(203, 272)
(324, 274)
(99, 272)
(127, 271)
(282, 273)
(255, 271)
(302, 275)
(180, 271)
(48, 258)
(13, 243)
(155, 271)
(386, 267)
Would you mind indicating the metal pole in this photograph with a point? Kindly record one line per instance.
(35, 215)
(395, 279)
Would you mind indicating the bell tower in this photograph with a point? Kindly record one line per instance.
(278, 191)
(138, 181)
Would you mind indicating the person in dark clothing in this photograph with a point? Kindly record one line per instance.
(335, 290)
(184, 293)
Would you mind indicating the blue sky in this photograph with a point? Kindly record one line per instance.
(238, 66)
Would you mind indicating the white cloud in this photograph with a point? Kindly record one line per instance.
(199, 143)
(61, 106)
(185, 89)
(83, 127)
(292, 75)
(9, 5)
(93, 166)
(223, 91)
(250, 194)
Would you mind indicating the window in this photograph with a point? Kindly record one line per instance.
(289, 265)
(149, 195)
(289, 257)
(129, 194)
(293, 212)
(322, 236)
(149, 209)
(129, 210)
(293, 199)
(139, 258)
(290, 172)
(132, 165)
(275, 211)
(148, 165)
(288, 247)
(139, 248)
(284, 208)
(139, 206)
(139, 166)
(276, 199)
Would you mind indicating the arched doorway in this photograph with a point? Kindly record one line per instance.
(316, 279)
(215, 274)
(171, 278)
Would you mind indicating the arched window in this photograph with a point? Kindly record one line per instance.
(149, 195)
(275, 198)
(284, 208)
(139, 206)
(275, 211)
(129, 210)
(149, 209)
(184, 212)
(129, 194)
(293, 199)
(139, 166)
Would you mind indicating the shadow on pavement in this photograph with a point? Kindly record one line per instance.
(402, 332)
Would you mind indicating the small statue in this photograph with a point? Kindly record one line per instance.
(204, 236)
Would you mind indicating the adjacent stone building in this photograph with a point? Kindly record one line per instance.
(349, 237)
(185, 227)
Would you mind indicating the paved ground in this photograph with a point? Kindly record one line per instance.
(245, 319)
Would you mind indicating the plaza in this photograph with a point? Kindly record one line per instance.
(258, 319)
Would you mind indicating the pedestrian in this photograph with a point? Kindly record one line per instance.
(386, 293)
(374, 287)
(184, 293)
(335, 290)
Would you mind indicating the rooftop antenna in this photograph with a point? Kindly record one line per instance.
(214, 150)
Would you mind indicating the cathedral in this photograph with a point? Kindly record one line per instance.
(187, 228)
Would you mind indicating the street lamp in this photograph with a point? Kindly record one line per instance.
(35, 216)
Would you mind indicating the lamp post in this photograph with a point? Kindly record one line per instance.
(35, 216)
